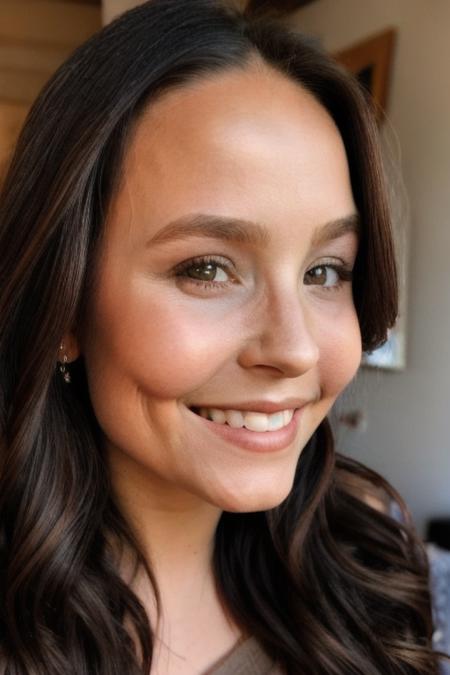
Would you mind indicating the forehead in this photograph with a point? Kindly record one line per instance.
(249, 140)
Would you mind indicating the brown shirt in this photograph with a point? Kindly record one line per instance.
(247, 658)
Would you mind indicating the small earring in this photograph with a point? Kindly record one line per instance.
(62, 366)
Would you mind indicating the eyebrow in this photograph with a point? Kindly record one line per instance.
(336, 229)
(244, 231)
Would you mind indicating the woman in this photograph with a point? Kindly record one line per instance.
(195, 249)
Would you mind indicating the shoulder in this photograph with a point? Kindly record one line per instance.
(248, 657)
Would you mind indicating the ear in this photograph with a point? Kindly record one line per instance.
(69, 345)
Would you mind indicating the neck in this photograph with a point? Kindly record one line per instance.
(175, 530)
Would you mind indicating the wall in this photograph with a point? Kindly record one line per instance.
(407, 413)
(36, 36)
(111, 8)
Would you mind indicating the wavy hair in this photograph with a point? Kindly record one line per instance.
(326, 584)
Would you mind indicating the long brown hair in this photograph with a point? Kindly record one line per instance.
(324, 582)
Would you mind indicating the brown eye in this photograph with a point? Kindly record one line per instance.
(203, 271)
(207, 271)
(322, 275)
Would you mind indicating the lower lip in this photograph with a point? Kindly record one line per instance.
(256, 441)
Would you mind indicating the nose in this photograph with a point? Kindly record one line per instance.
(281, 337)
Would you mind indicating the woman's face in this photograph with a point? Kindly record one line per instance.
(224, 285)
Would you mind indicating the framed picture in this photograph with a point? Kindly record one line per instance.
(370, 61)
(392, 355)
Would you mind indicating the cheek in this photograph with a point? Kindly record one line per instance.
(340, 349)
(152, 340)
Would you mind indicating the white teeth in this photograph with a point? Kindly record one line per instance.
(218, 415)
(277, 421)
(234, 418)
(254, 421)
(288, 415)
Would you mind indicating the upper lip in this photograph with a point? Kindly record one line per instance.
(267, 407)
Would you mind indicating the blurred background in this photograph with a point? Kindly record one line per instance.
(394, 417)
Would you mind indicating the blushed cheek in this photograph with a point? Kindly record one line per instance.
(340, 351)
(165, 348)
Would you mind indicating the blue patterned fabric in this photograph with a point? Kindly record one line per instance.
(440, 590)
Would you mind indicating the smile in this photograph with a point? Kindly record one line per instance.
(250, 429)
(252, 420)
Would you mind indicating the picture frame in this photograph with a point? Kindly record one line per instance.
(370, 60)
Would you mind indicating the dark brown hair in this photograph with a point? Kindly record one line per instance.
(324, 582)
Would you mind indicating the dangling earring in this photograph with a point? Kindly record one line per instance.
(62, 366)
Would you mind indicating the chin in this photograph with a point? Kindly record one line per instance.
(254, 499)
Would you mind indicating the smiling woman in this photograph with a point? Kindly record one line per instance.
(195, 250)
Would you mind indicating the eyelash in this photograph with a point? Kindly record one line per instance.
(344, 273)
(342, 270)
(182, 268)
